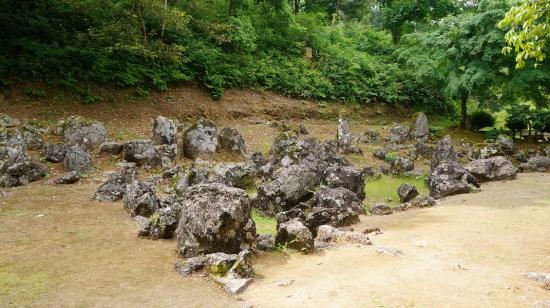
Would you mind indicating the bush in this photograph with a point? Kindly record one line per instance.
(481, 119)
(541, 121)
(519, 117)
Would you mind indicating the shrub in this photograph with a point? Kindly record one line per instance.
(481, 119)
(541, 121)
(519, 117)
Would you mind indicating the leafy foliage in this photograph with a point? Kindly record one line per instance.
(481, 119)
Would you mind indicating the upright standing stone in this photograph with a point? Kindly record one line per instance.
(421, 130)
(200, 139)
(343, 138)
(164, 131)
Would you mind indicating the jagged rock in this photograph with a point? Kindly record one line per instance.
(219, 263)
(32, 137)
(406, 192)
(55, 152)
(191, 265)
(506, 144)
(421, 130)
(163, 223)
(369, 136)
(381, 153)
(295, 235)
(401, 165)
(7, 121)
(289, 215)
(79, 130)
(215, 218)
(327, 235)
(347, 177)
(492, 169)
(114, 188)
(380, 209)
(337, 207)
(443, 152)
(16, 168)
(143, 153)
(231, 141)
(12, 138)
(343, 138)
(265, 242)
(536, 164)
(200, 139)
(291, 186)
(450, 178)
(77, 158)
(233, 174)
(521, 156)
(140, 199)
(69, 178)
(111, 148)
(242, 268)
(398, 134)
(418, 202)
(164, 131)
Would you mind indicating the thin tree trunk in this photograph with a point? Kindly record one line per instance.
(164, 18)
(463, 112)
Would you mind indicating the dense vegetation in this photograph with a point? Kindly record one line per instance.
(421, 53)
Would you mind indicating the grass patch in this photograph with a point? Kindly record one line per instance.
(385, 188)
(264, 224)
(21, 287)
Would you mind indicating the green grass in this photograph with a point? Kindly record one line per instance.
(264, 225)
(385, 188)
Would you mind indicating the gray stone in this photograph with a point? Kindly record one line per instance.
(506, 144)
(337, 207)
(143, 152)
(295, 235)
(164, 131)
(398, 134)
(401, 165)
(233, 174)
(328, 235)
(12, 138)
(32, 137)
(406, 192)
(200, 139)
(381, 153)
(289, 215)
(234, 286)
(16, 168)
(7, 121)
(163, 223)
(79, 130)
(420, 201)
(242, 268)
(69, 178)
(443, 152)
(78, 159)
(380, 209)
(492, 169)
(420, 128)
(111, 148)
(55, 152)
(536, 164)
(450, 178)
(190, 266)
(343, 138)
(114, 188)
(347, 177)
(265, 242)
(140, 199)
(215, 218)
(231, 142)
(219, 263)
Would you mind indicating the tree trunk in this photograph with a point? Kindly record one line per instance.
(296, 6)
(394, 36)
(164, 18)
(463, 112)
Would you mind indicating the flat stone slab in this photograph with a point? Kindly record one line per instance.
(234, 285)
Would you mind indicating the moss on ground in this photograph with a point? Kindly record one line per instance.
(385, 187)
(264, 224)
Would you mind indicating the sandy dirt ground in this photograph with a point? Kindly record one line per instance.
(470, 251)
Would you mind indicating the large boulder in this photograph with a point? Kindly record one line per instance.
(231, 142)
(78, 159)
(398, 134)
(492, 169)
(347, 177)
(140, 199)
(80, 130)
(343, 137)
(420, 131)
(55, 152)
(506, 144)
(295, 235)
(16, 168)
(406, 192)
(32, 137)
(337, 207)
(12, 138)
(200, 139)
(164, 131)
(215, 218)
(114, 188)
(443, 152)
(291, 185)
(450, 178)
(536, 164)
(144, 153)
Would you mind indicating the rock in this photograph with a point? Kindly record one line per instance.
(536, 164)
(380, 209)
(140, 199)
(77, 158)
(423, 149)
(55, 152)
(506, 144)
(443, 152)
(492, 169)
(327, 235)
(450, 178)
(289, 215)
(32, 137)
(111, 148)
(418, 202)
(200, 139)
(381, 153)
(7, 121)
(16, 168)
(114, 188)
(337, 207)
(12, 138)
(265, 242)
(234, 285)
(242, 268)
(421, 130)
(401, 165)
(79, 130)
(541, 277)
(69, 178)
(163, 223)
(521, 156)
(233, 174)
(302, 129)
(406, 192)
(143, 153)
(343, 137)
(546, 151)
(215, 218)
(295, 235)
(291, 186)
(231, 142)
(190, 266)
(347, 177)
(398, 134)
(219, 263)
(164, 131)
